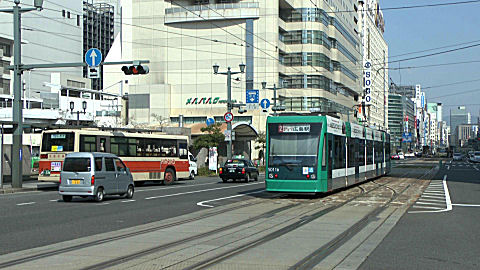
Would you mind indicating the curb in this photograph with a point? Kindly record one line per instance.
(16, 190)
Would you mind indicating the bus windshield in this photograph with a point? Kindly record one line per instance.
(58, 142)
(291, 148)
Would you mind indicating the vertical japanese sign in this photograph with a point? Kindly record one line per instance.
(367, 81)
(212, 158)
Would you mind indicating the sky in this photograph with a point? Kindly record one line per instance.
(411, 30)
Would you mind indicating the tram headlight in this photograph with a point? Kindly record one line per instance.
(270, 175)
(313, 176)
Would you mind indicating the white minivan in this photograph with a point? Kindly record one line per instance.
(192, 161)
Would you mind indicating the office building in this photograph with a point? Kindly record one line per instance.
(401, 117)
(404, 90)
(52, 35)
(98, 31)
(6, 51)
(459, 116)
(303, 46)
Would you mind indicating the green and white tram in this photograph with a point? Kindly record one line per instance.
(312, 153)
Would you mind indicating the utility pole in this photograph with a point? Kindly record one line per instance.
(275, 108)
(17, 117)
(230, 104)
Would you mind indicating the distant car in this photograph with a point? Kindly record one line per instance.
(476, 156)
(94, 175)
(395, 156)
(239, 169)
(401, 155)
(410, 155)
(457, 157)
(418, 154)
(192, 166)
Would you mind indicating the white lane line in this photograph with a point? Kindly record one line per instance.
(431, 203)
(468, 205)
(54, 200)
(203, 203)
(165, 188)
(476, 168)
(26, 203)
(448, 168)
(105, 203)
(448, 201)
(199, 191)
(129, 201)
(427, 207)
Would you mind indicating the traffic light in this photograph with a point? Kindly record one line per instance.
(135, 70)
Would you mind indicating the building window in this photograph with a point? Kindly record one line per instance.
(78, 20)
(63, 13)
(68, 14)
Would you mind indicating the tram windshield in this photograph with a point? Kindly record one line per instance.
(297, 146)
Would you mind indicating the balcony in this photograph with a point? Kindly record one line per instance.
(230, 11)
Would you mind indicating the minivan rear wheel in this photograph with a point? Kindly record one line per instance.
(67, 198)
(99, 195)
(192, 175)
(130, 191)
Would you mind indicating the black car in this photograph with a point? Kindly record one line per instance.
(238, 169)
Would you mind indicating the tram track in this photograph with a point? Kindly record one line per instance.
(304, 218)
(46, 254)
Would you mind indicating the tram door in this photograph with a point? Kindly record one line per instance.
(356, 148)
(376, 157)
(330, 158)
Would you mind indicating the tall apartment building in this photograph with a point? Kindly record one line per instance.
(49, 36)
(305, 46)
(98, 31)
(375, 50)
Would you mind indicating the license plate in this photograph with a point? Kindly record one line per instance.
(75, 182)
(231, 170)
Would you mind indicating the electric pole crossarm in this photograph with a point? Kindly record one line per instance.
(75, 64)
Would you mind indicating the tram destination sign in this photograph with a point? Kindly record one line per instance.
(294, 128)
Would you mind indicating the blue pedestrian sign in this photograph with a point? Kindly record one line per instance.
(265, 103)
(93, 57)
(252, 97)
(407, 137)
(210, 121)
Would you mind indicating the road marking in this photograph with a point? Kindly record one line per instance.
(431, 200)
(430, 203)
(199, 191)
(105, 203)
(448, 168)
(165, 188)
(203, 203)
(434, 197)
(27, 203)
(54, 200)
(426, 207)
(476, 168)
(468, 205)
(129, 201)
(433, 193)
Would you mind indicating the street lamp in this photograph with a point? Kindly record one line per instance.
(230, 105)
(84, 107)
(274, 88)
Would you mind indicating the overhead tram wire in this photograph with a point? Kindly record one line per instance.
(450, 84)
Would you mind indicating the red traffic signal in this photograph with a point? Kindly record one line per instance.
(135, 70)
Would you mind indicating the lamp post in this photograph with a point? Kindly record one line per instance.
(230, 105)
(274, 88)
(84, 107)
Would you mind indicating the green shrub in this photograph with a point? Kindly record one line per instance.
(206, 172)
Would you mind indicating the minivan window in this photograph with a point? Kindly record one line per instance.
(76, 165)
(98, 164)
(120, 165)
(109, 165)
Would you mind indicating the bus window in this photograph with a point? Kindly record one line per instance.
(182, 149)
(58, 142)
(118, 146)
(88, 143)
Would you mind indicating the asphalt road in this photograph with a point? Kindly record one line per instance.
(441, 230)
(35, 219)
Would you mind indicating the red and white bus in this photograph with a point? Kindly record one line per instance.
(149, 156)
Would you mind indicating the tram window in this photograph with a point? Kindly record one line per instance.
(361, 152)
(369, 152)
(324, 152)
(88, 143)
(351, 152)
(339, 152)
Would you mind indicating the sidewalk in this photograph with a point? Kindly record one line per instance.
(27, 186)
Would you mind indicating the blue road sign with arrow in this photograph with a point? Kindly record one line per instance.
(265, 103)
(93, 57)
